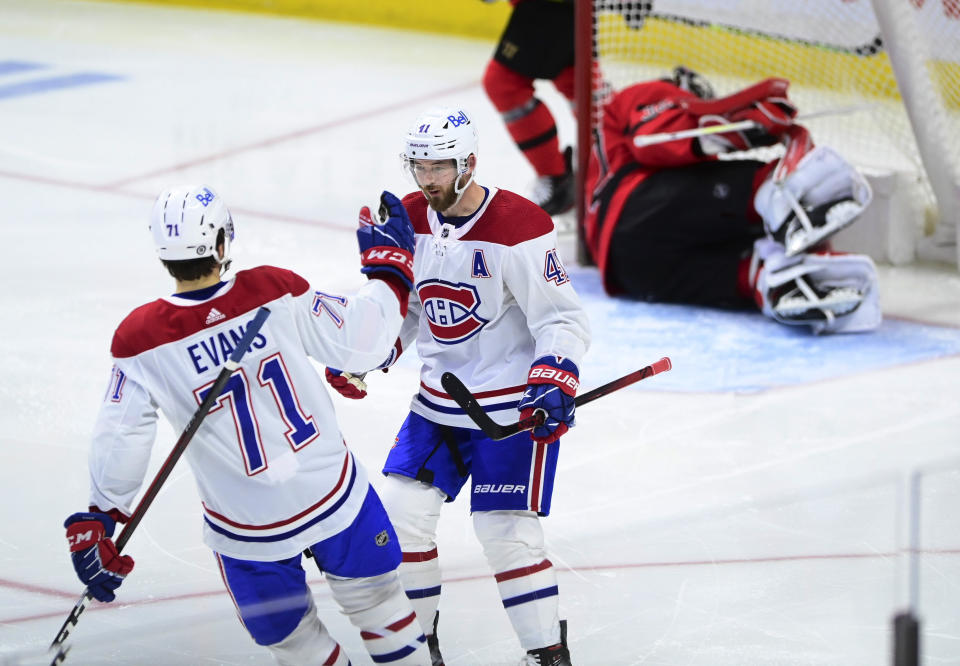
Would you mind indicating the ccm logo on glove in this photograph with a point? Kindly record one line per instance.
(81, 540)
(381, 256)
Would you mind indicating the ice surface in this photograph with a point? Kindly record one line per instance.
(745, 508)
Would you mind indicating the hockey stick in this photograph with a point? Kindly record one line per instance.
(212, 395)
(644, 140)
(461, 394)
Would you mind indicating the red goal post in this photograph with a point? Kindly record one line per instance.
(900, 59)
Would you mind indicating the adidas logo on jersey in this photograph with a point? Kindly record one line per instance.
(214, 315)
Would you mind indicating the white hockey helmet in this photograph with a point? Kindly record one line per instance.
(442, 133)
(185, 222)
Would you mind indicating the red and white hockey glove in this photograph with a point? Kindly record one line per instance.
(551, 388)
(346, 384)
(352, 386)
(95, 557)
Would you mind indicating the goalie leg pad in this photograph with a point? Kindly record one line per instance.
(414, 509)
(820, 196)
(831, 293)
(514, 545)
(388, 625)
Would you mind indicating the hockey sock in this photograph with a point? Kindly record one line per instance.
(514, 546)
(309, 640)
(420, 575)
(388, 625)
(528, 120)
(530, 598)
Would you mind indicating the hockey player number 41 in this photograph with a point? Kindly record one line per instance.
(272, 374)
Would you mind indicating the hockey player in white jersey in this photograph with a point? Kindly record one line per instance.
(272, 469)
(493, 304)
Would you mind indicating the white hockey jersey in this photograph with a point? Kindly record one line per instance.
(272, 469)
(490, 297)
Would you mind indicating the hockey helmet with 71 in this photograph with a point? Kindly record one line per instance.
(186, 221)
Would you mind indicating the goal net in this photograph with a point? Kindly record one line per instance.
(887, 70)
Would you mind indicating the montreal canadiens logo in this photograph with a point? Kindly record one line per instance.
(451, 310)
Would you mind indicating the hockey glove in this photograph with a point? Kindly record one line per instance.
(387, 242)
(346, 384)
(771, 118)
(95, 558)
(551, 387)
(765, 104)
(352, 385)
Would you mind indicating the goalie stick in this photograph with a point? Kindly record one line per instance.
(644, 140)
(192, 426)
(461, 394)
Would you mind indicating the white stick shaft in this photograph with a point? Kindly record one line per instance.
(644, 140)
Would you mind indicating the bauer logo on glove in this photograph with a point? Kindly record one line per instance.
(565, 380)
(551, 387)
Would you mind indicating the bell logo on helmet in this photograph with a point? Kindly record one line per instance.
(206, 197)
(458, 120)
(187, 221)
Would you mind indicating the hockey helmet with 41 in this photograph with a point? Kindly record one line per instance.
(441, 133)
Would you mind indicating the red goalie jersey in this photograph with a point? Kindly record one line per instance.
(666, 221)
(617, 165)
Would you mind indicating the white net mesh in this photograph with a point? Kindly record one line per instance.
(836, 57)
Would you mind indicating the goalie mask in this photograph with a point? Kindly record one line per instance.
(186, 221)
(441, 133)
(691, 81)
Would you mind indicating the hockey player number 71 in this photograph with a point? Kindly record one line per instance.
(272, 374)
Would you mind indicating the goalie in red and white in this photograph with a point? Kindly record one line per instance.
(670, 220)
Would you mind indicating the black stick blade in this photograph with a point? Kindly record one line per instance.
(461, 394)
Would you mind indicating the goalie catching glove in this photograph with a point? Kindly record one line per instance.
(551, 388)
(95, 557)
(764, 104)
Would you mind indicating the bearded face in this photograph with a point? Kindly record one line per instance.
(437, 180)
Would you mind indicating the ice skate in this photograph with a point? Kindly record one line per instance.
(556, 194)
(555, 655)
(433, 643)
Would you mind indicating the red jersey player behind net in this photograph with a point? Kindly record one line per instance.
(536, 44)
(668, 221)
